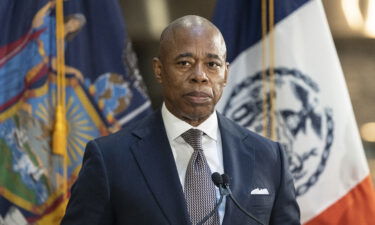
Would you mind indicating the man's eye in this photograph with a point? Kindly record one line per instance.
(214, 64)
(183, 63)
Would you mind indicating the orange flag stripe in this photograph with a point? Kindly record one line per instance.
(356, 207)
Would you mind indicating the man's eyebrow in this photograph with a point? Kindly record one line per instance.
(214, 56)
(189, 54)
(183, 55)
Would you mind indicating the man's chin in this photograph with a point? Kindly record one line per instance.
(199, 115)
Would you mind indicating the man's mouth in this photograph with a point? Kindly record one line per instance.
(198, 97)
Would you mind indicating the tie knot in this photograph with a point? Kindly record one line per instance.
(194, 138)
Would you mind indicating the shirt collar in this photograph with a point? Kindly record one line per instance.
(175, 126)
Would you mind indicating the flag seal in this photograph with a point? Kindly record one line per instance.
(301, 115)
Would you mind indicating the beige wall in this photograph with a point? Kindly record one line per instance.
(357, 58)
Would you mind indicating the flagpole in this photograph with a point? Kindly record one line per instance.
(271, 20)
(264, 75)
(60, 130)
(268, 116)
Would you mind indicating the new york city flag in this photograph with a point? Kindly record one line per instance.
(103, 91)
(286, 82)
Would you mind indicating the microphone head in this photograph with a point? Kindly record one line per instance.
(217, 179)
(225, 179)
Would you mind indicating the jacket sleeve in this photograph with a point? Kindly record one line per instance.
(90, 195)
(286, 210)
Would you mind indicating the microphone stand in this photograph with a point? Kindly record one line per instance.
(212, 212)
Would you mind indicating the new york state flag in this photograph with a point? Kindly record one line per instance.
(103, 92)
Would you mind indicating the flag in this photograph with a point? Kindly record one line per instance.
(99, 84)
(285, 82)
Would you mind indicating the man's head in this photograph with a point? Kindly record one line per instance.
(191, 68)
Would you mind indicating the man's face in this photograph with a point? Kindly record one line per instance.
(193, 71)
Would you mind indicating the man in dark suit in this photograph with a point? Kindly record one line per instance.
(156, 172)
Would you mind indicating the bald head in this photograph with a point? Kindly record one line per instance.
(192, 25)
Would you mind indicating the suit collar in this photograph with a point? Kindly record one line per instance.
(155, 159)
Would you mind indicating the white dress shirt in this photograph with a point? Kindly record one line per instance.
(182, 151)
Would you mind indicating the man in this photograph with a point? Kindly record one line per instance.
(157, 171)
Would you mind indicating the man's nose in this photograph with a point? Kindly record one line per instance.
(199, 74)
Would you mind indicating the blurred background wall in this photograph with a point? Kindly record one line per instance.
(352, 24)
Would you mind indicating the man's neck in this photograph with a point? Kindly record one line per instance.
(193, 121)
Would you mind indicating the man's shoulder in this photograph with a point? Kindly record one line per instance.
(252, 140)
(237, 129)
(128, 134)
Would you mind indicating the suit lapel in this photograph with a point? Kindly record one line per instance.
(238, 164)
(155, 159)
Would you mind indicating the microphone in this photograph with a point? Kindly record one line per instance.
(218, 181)
(225, 184)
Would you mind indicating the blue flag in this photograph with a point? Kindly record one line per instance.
(104, 92)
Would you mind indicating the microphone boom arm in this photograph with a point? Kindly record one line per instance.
(212, 212)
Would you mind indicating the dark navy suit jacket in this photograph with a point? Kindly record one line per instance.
(130, 178)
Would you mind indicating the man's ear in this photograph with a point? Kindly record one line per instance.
(157, 67)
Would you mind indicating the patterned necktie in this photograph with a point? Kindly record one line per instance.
(200, 191)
